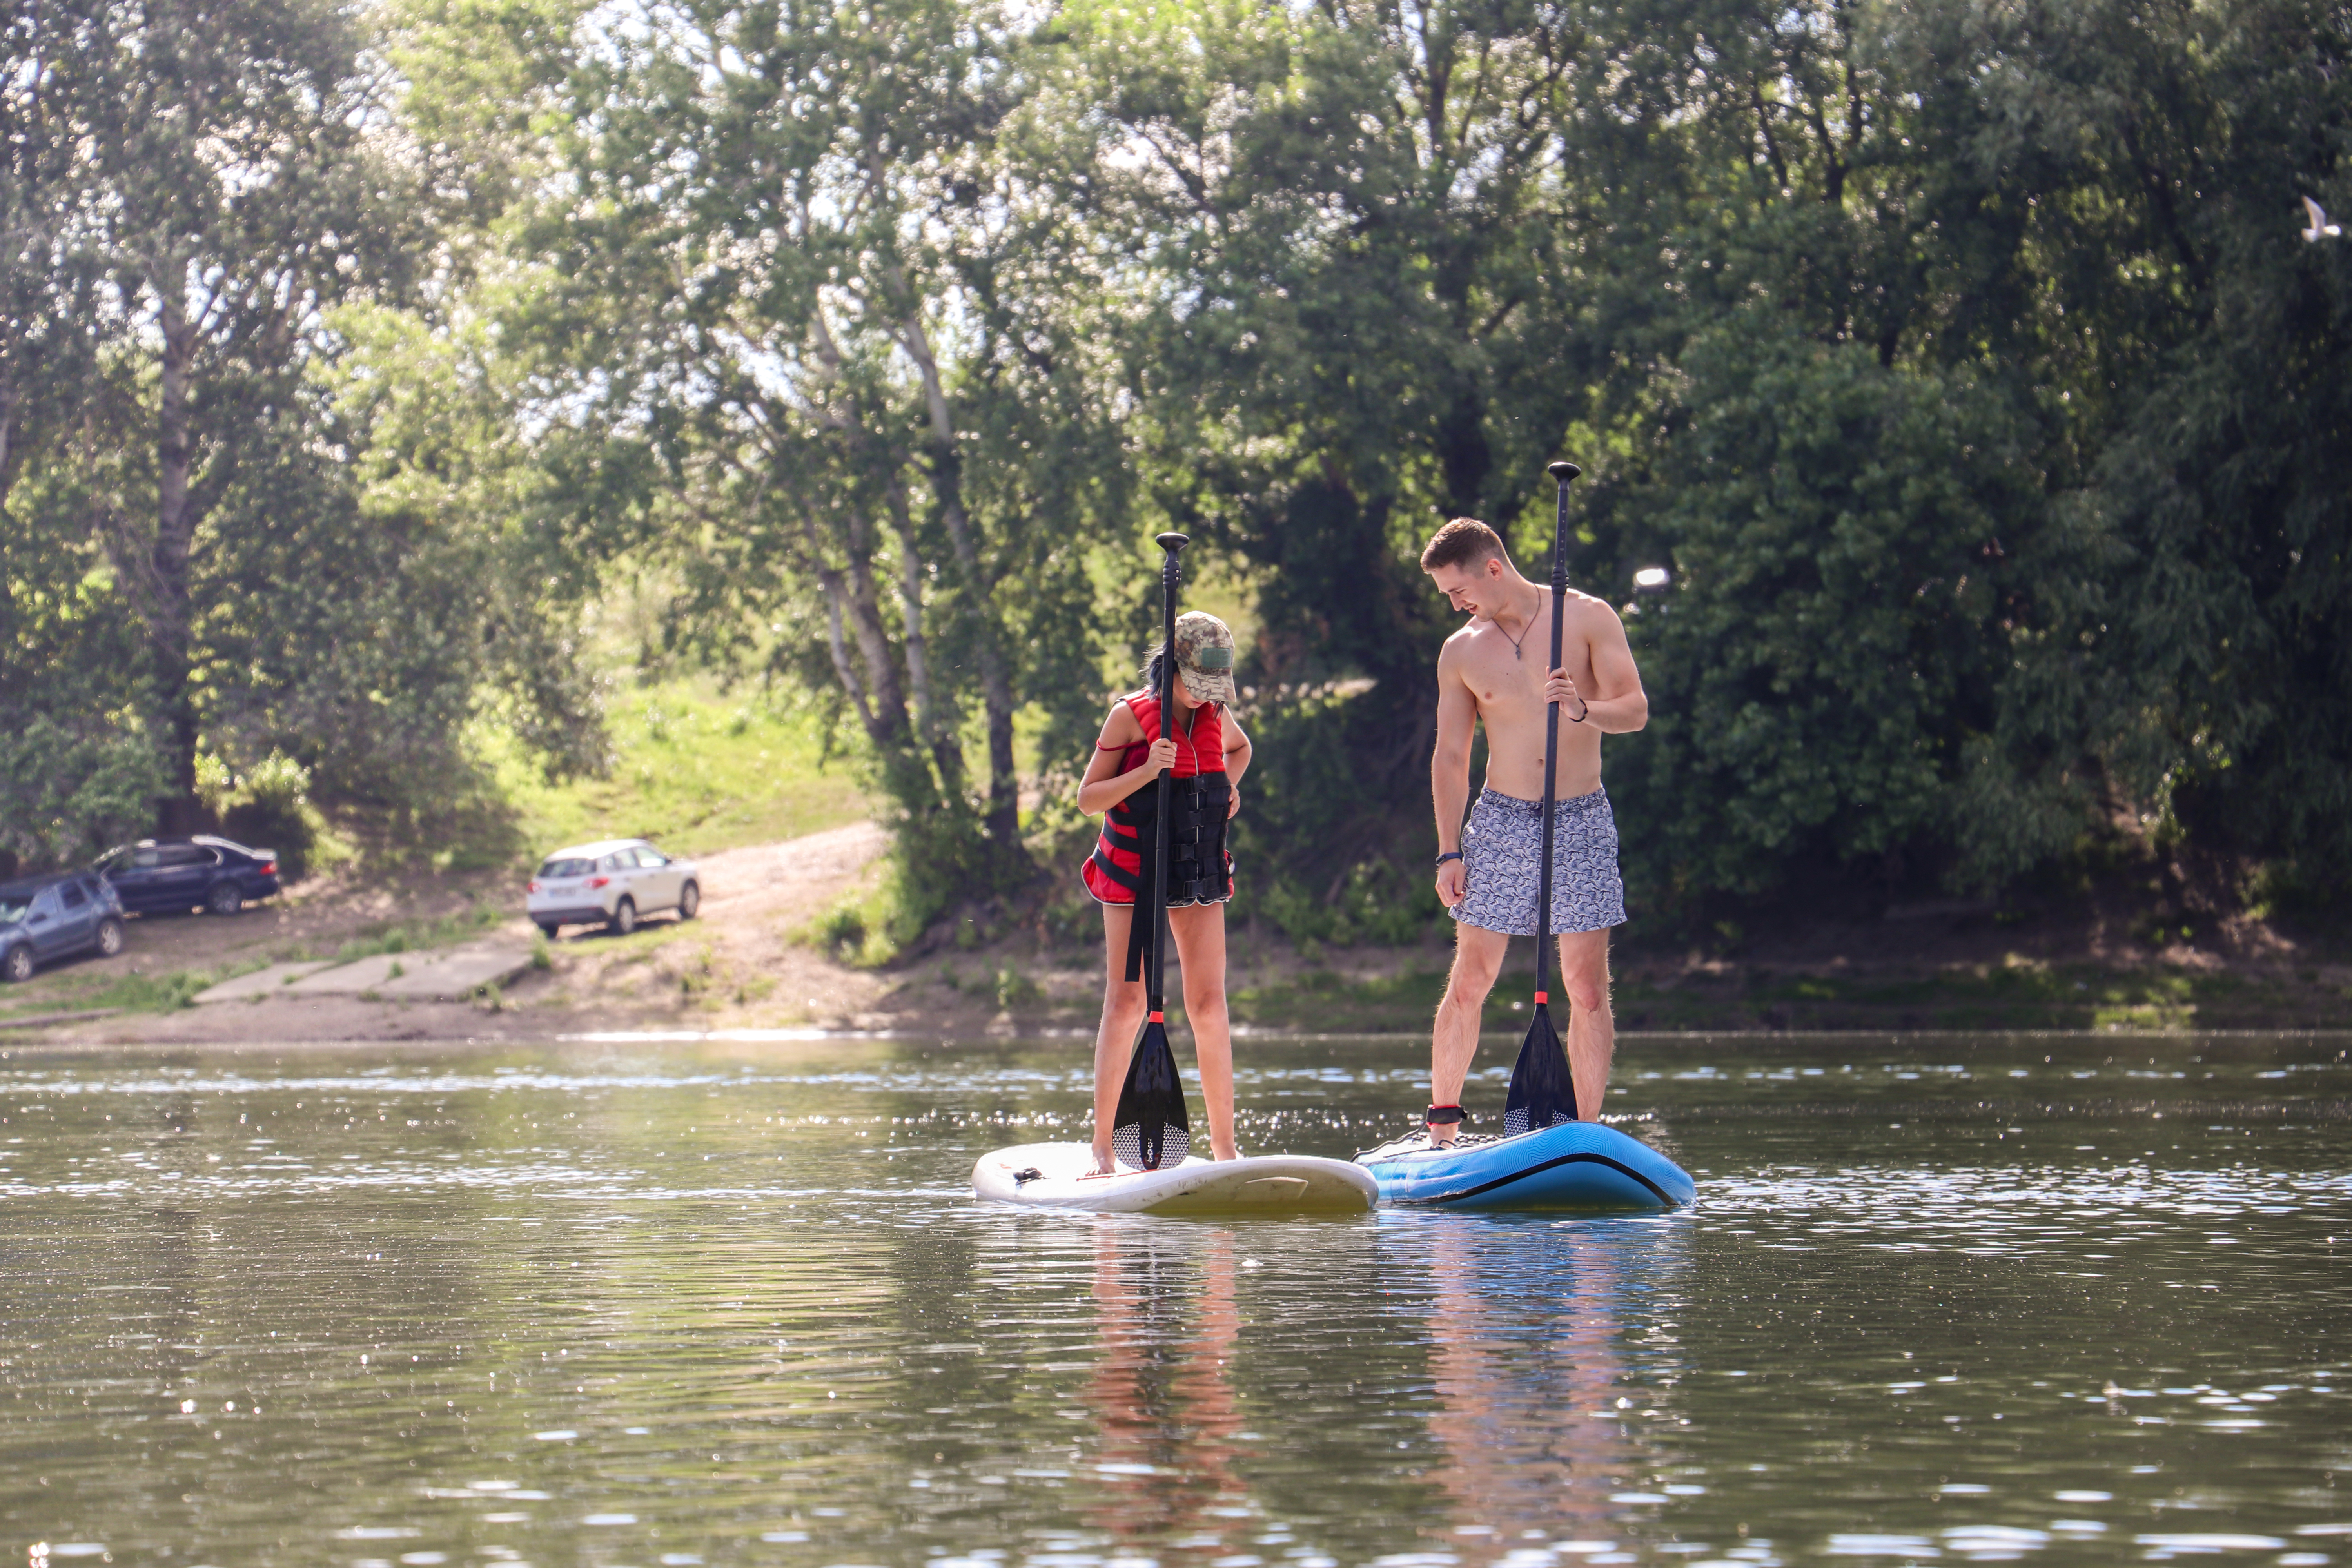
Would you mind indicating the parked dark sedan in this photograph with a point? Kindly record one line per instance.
(214, 875)
(43, 918)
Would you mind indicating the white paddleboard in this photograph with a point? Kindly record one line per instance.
(1060, 1176)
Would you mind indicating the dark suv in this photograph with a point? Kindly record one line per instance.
(182, 874)
(43, 918)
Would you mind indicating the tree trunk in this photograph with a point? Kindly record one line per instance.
(946, 751)
(168, 624)
(836, 591)
(8, 444)
(890, 731)
(1461, 449)
(1004, 816)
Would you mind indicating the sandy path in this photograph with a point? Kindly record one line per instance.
(795, 879)
(738, 966)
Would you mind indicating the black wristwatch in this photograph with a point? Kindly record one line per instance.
(1449, 854)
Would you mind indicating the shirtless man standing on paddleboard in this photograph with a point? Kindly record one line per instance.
(1491, 673)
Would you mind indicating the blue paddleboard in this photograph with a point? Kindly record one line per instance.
(1574, 1165)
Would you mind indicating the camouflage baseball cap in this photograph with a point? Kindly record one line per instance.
(1204, 655)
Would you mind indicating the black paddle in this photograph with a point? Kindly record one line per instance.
(1150, 1129)
(1543, 1086)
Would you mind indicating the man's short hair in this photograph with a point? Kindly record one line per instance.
(1464, 542)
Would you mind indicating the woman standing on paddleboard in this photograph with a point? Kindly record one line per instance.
(1206, 754)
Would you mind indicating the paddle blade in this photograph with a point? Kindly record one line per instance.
(1150, 1130)
(1543, 1091)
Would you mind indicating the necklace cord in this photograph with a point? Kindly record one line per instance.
(1516, 642)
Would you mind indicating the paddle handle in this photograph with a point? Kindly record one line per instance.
(1171, 575)
(1565, 473)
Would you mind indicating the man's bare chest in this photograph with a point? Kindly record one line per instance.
(1507, 682)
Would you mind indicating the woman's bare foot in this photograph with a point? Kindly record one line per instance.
(1226, 1152)
(1105, 1162)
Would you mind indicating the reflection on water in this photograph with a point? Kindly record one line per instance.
(1167, 1424)
(1528, 1373)
(626, 1304)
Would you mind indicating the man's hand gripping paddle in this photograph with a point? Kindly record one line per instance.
(1150, 1129)
(1543, 1088)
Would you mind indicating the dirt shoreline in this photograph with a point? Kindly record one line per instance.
(748, 964)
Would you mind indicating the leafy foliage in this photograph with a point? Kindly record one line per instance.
(1834, 525)
(848, 339)
(210, 548)
(1962, 363)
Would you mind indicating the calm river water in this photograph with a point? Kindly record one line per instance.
(609, 1303)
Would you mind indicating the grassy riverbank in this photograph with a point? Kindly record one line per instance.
(750, 789)
(1385, 994)
(768, 963)
(695, 768)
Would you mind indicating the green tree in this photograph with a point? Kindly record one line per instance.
(78, 765)
(1351, 229)
(49, 280)
(243, 197)
(1963, 364)
(1833, 645)
(2109, 397)
(2189, 653)
(247, 515)
(848, 351)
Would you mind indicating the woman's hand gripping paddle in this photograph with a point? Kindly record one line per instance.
(1150, 1129)
(1543, 1088)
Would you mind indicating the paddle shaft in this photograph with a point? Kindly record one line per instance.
(1171, 575)
(1551, 735)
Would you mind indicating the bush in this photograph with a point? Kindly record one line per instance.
(69, 788)
(871, 928)
(1335, 831)
(839, 929)
(1011, 988)
(1374, 900)
(267, 806)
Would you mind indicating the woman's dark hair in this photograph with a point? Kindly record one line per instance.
(1151, 687)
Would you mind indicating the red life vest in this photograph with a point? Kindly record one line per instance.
(1200, 871)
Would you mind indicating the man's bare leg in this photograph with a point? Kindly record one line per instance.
(1453, 1040)
(1591, 1029)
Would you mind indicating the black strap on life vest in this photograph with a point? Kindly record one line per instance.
(1197, 869)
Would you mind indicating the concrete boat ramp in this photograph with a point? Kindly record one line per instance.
(450, 976)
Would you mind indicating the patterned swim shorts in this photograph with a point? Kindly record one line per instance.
(1502, 852)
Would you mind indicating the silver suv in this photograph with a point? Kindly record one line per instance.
(610, 883)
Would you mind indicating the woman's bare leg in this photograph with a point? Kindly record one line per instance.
(1122, 1016)
(1200, 933)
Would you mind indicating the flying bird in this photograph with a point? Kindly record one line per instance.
(2320, 227)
